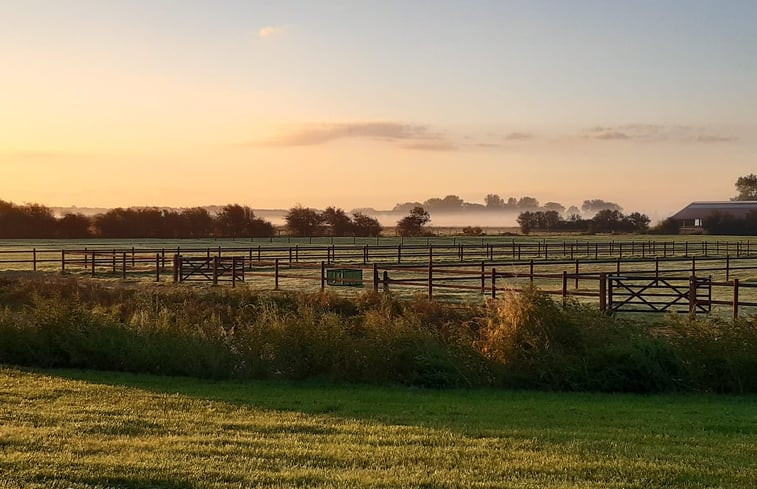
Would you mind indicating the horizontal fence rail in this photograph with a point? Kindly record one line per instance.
(588, 270)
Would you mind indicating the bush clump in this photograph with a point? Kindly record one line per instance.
(522, 340)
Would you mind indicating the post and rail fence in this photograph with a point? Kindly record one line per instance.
(622, 276)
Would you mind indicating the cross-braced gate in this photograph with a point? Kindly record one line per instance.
(214, 269)
(659, 294)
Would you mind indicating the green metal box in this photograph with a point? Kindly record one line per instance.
(344, 277)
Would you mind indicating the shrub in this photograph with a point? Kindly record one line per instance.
(522, 340)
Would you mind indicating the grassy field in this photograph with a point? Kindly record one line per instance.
(82, 429)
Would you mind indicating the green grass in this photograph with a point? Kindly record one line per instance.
(81, 429)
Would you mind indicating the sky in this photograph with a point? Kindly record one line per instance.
(651, 104)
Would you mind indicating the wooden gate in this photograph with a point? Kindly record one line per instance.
(659, 294)
(209, 269)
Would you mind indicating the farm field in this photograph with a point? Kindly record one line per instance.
(300, 261)
(85, 429)
(26, 244)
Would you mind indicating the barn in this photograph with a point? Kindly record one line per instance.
(694, 214)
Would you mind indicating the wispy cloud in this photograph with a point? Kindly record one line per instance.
(658, 133)
(272, 31)
(518, 136)
(441, 145)
(404, 135)
(610, 135)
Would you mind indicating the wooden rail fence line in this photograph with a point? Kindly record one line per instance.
(400, 253)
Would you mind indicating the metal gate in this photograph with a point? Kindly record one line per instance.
(659, 294)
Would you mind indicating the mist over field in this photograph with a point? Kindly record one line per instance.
(485, 219)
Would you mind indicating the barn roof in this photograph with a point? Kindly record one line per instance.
(700, 210)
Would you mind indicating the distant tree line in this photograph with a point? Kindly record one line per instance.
(721, 223)
(37, 221)
(304, 221)
(604, 221)
(493, 202)
(716, 223)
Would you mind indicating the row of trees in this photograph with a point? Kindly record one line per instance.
(493, 202)
(604, 221)
(37, 221)
(303, 221)
(720, 223)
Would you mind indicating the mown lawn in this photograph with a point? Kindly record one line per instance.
(80, 429)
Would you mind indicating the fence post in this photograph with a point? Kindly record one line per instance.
(430, 279)
(386, 281)
(62, 260)
(735, 299)
(531, 270)
(34, 259)
(656, 267)
(157, 267)
(494, 283)
(94, 254)
(365, 254)
(176, 266)
(617, 266)
(375, 277)
(693, 265)
(564, 286)
(603, 291)
(323, 275)
(276, 275)
(133, 258)
(576, 273)
(215, 270)
(113, 257)
(297, 253)
(123, 265)
(692, 296)
(233, 271)
(483, 278)
(609, 293)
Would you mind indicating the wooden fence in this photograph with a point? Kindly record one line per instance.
(104, 258)
(585, 270)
